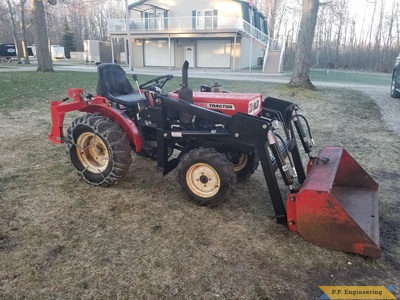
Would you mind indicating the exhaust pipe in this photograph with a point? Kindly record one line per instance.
(186, 94)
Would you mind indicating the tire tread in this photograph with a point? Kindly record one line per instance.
(219, 162)
(116, 140)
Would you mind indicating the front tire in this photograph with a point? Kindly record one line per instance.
(394, 93)
(99, 149)
(206, 176)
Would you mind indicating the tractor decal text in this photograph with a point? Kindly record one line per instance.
(221, 106)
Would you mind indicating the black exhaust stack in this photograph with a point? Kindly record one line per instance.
(185, 93)
(185, 67)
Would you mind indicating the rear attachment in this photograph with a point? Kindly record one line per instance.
(337, 207)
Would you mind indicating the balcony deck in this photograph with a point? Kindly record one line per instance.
(186, 27)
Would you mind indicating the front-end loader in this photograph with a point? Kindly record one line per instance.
(211, 138)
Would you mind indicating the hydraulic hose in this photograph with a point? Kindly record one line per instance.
(289, 154)
(279, 159)
(301, 133)
(308, 128)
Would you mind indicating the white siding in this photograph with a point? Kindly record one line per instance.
(245, 56)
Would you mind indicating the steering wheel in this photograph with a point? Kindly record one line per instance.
(157, 82)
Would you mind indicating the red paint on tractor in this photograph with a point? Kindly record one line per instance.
(227, 103)
(336, 207)
(58, 109)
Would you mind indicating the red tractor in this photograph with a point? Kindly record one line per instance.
(212, 137)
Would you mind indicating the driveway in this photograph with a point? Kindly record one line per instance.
(389, 107)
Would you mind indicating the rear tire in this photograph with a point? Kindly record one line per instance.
(245, 165)
(395, 85)
(99, 149)
(206, 176)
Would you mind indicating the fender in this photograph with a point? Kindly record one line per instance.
(98, 104)
(127, 125)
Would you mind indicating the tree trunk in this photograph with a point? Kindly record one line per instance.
(41, 41)
(23, 30)
(15, 32)
(338, 39)
(309, 14)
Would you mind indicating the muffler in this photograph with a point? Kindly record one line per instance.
(336, 207)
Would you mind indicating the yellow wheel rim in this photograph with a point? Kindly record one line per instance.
(203, 180)
(243, 159)
(92, 152)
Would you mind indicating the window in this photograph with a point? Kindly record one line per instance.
(204, 19)
(155, 21)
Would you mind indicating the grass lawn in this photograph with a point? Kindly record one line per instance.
(61, 238)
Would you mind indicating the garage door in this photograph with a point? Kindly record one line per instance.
(156, 53)
(214, 53)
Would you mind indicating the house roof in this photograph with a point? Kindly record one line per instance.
(143, 5)
(254, 7)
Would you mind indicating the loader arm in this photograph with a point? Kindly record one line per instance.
(257, 131)
(334, 207)
(240, 130)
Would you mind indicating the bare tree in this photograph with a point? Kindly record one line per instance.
(23, 31)
(372, 23)
(270, 10)
(15, 31)
(379, 29)
(300, 76)
(87, 19)
(339, 12)
(390, 26)
(41, 41)
(5, 34)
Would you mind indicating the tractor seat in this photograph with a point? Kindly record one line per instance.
(114, 85)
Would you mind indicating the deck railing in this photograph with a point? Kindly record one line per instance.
(191, 24)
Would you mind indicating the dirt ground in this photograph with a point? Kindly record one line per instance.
(142, 239)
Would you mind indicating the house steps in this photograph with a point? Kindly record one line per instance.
(272, 64)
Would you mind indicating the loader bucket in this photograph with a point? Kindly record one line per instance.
(336, 206)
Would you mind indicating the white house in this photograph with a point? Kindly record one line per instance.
(209, 34)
